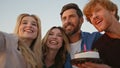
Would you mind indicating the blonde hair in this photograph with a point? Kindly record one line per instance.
(62, 53)
(107, 4)
(32, 56)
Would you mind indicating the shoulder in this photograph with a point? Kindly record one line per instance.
(93, 34)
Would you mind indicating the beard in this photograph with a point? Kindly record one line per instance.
(75, 29)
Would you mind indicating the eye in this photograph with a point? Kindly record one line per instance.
(34, 23)
(59, 35)
(50, 33)
(89, 16)
(72, 16)
(63, 19)
(24, 22)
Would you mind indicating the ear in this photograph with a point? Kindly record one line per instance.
(81, 20)
(113, 12)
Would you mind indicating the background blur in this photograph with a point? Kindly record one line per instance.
(47, 10)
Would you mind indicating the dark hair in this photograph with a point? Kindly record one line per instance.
(62, 53)
(72, 6)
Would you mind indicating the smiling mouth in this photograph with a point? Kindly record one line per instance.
(53, 42)
(99, 22)
(69, 27)
(29, 31)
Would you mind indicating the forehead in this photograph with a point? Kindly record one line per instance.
(69, 12)
(55, 30)
(98, 6)
(28, 18)
(95, 8)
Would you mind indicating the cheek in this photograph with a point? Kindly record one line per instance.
(61, 42)
(64, 25)
(19, 31)
(36, 30)
(47, 43)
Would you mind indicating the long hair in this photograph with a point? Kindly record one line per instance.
(62, 53)
(35, 44)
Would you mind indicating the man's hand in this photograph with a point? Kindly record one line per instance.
(92, 65)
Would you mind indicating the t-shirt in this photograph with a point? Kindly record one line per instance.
(109, 50)
(75, 48)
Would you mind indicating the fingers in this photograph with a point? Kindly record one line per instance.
(91, 65)
(94, 65)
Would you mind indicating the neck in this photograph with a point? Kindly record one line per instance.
(75, 37)
(114, 31)
(28, 42)
(50, 58)
(51, 54)
(113, 35)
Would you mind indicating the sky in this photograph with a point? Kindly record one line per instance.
(47, 10)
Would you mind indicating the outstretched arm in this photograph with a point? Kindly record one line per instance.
(2, 41)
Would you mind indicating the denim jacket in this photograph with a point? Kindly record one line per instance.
(87, 39)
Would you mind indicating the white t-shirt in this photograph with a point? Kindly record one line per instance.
(75, 48)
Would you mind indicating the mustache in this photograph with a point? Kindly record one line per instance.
(69, 23)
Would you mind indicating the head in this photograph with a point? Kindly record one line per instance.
(101, 11)
(28, 27)
(56, 39)
(72, 18)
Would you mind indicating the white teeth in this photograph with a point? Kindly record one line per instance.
(28, 30)
(69, 26)
(98, 21)
(54, 42)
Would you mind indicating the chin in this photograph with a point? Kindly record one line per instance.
(29, 37)
(100, 31)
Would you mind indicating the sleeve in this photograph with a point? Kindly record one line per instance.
(68, 62)
(2, 41)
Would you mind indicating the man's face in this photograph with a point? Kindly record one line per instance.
(101, 18)
(71, 21)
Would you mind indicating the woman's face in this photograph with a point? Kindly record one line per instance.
(55, 39)
(28, 28)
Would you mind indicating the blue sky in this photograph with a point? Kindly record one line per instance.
(47, 10)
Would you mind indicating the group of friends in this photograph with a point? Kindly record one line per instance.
(25, 48)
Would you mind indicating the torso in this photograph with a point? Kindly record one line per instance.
(75, 48)
(109, 50)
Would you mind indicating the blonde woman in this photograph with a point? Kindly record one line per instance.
(22, 50)
(55, 46)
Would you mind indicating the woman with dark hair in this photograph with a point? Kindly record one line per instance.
(55, 46)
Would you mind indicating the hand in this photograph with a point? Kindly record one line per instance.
(92, 65)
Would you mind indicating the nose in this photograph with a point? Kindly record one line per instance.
(67, 21)
(94, 18)
(29, 25)
(54, 36)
